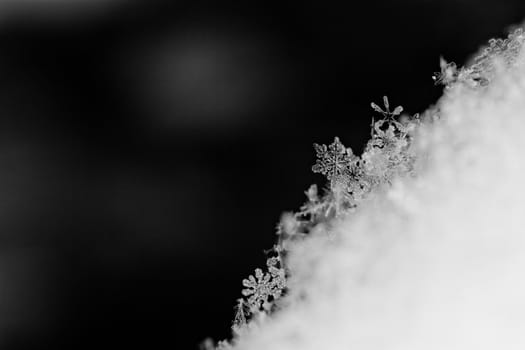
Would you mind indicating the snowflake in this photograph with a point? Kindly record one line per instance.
(263, 286)
(499, 51)
(314, 207)
(389, 115)
(241, 315)
(333, 160)
(448, 73)
(383, 138)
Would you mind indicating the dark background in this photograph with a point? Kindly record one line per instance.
(148, 148)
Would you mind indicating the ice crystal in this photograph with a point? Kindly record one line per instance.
(314, 206)
(265, 287)
(498, 53)
(350, 179)
(387, 153)
(448, 73)
(333, 160)
(386, 112)
(241, 314)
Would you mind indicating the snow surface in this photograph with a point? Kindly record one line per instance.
(433, 262)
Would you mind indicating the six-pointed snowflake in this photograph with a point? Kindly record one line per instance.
(389, 115)
(333, 160)
(263, 286)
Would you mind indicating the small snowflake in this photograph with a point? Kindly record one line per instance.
(263, 286)
(314, 207)
(389, 137)
(448, 73)
(499, 51)
(333, 160)
(241, 314)
(386, 112)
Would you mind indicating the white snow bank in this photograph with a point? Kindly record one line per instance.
(434, 262)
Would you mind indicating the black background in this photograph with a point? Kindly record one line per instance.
(148, 148)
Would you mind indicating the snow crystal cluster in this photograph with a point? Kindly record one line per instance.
(419, 243)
